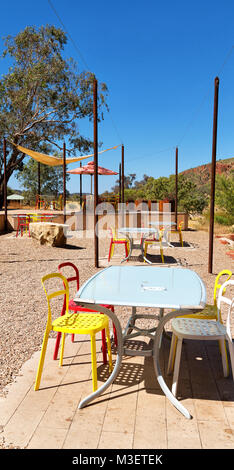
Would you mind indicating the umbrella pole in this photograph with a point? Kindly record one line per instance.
(95, 144)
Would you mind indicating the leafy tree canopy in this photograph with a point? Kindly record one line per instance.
(43, 96)
(190, 199)
(51, 179)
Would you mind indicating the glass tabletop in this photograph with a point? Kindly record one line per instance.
(145, 286)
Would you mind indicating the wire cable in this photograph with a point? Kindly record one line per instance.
(82, 58)
(68, 34)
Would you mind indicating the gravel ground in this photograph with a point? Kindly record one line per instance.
(23, 262)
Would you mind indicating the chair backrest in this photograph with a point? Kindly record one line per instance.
(64, 292)
(223, 298)
(224, 272)
(75, 277)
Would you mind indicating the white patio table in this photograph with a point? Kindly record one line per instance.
(131, 233)
(167, 227)
(178, 289)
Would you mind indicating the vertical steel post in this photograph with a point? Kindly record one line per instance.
(64, 183)
(95, 145)
(39, 178)
(5, 185)
(176, 185)
(120, 183)
(122, 168)
(80, 186)
(213, 172)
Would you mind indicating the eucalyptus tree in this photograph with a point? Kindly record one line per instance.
(43, 97)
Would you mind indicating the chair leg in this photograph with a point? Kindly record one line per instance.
(109, 256)
(161, 252)
(177, 367)
(94, 361)
(104, 347)
(231, 352)
(59, 335)
(62, 349)
(172, 354)
(181, 239)
(126, 249)
(57, 346)
(224, 357)
(114, 329)
(42, 360)
(112, 249)
(115, 335)
(109, 348)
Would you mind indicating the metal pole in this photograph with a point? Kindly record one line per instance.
(213, 171)
(122, 195)
(120, 183)
(64, 183)
(5, 185)
(80, 186)
(39, 178)
(176, 185)
(95, 145)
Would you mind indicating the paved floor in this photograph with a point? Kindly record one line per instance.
(132, 414)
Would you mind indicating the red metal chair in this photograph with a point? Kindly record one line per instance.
(76, 308)
(117, 241)
(23, 224)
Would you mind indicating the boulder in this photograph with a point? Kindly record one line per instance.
(49, 233)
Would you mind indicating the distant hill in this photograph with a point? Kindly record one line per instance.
(202, 173)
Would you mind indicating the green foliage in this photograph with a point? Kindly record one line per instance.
(43, 97)
(190, 199)
(224, 193)
(51, 179)
(224, 219)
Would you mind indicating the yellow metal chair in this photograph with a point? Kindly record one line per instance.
(33, 216)
(75, 323)
(210, 311)
(153, 242)
(179, 231)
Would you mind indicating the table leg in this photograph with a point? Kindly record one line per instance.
(159, 376)
(131, 322)
(114, 319)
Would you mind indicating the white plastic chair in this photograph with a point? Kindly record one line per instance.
(196, 329)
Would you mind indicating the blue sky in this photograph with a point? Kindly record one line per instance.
(159, 61)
